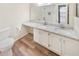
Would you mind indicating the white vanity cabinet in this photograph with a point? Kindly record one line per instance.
(63, 45)
(70, 47)
(41, 37)
(55, 43)
(36, 35)
(48, 40)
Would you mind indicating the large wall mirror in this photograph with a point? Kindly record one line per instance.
(54, 13)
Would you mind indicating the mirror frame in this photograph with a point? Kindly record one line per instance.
(76, 9)
(59, 6)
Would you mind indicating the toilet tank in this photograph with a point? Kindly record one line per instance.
(5, 33)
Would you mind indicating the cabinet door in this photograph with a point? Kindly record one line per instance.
(43, 38)
(36, 35)
(55, 43)
(71, 47)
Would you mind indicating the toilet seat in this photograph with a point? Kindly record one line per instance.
(6, 44)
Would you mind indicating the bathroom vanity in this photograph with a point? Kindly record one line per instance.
(53, 28)
(58, 40)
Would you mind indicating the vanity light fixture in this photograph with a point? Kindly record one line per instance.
(43, 4)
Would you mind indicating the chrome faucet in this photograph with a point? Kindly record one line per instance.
(62, 26)
(45, 23)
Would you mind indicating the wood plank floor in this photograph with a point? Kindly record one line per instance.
(27, 47)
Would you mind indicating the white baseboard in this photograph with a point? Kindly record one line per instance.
(21, 36)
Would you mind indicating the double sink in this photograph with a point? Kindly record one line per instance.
(58, 29)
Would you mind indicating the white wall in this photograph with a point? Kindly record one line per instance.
(13, 15)
(35, 12)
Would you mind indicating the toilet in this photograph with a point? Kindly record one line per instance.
(6, 42)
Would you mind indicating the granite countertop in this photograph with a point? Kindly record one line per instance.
(65, 32)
